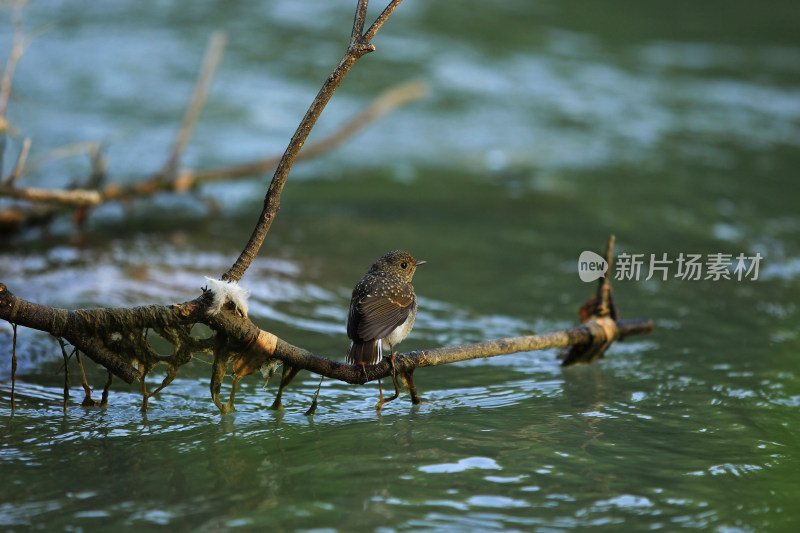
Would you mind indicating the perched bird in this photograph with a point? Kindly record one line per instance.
(382, 309)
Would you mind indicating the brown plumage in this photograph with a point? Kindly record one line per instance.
(382, 309)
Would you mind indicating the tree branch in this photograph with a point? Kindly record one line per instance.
(17, 49)
(384, 104)
(117, 338)
(101, 334)
(186, 179)
(20, 164)
(358, 23)
(77, 197)
(170, 178)
(381, 20)
(216, 46)
(590, 333)
(357, 48)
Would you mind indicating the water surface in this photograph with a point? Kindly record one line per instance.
(549, 126)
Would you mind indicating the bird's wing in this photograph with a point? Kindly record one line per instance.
(375, 317)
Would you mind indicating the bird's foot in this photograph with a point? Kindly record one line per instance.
(394, 381)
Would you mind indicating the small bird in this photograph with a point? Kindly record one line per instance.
(382, 310)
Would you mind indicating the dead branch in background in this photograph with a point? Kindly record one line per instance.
(117, 338)
(187, 179)
(170, 178)
(381, 106)
(216, 46)
(17, 49)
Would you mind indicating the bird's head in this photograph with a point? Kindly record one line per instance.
(396, 263)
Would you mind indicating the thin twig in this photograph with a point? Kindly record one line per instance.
(384, 104)
(13, 365)
(20, 165)
(66, 370)
(381, 20)
(99, 168)
(87, 391)
(216, 46)
(272, 199)
(62, 152)
(17, 49)
(358, 23)
(104, 399)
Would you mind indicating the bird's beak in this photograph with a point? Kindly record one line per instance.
(421, 263)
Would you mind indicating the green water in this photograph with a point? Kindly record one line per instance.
(549, 126)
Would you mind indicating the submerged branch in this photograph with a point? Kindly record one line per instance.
(115, 338)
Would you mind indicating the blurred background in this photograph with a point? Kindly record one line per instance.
(548, 126)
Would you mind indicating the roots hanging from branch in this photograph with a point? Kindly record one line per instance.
(66, 370)
(87, 399)
(13, 365)
(235, 339)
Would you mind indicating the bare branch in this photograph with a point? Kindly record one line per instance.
(384, 104)
(21, 160)
(117, 338)
(250, 347)
(63, 197)
(589, 333)
(358, 24)
(168, 178)
(272, 198)
(17, 49)
(13, 365)
(381, 20)
(63, 152)
(216, 46)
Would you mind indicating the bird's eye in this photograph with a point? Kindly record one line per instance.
(403, 264)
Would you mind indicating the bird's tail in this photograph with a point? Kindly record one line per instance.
(368, 353)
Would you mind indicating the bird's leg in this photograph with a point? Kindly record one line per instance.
(394, 375)
(364, 371)
(381, 401)
(394, 380)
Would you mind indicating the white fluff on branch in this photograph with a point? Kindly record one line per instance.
(227, 291)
